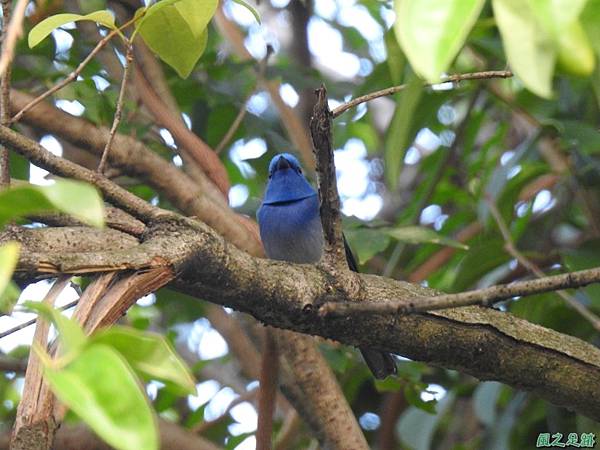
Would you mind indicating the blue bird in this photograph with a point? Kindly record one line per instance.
(290, 229)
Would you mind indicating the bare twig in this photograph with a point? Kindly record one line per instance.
(511, 248)
(73, 75)
(242, 112)
(119, 110)
(5, 96)
(13, 31)
(32, 321)
(485, 296)
(394, 89)
(37, 154)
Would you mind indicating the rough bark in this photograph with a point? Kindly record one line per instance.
(488, 344)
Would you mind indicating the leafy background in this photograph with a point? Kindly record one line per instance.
(432, 158)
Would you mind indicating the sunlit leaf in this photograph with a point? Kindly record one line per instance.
(150, 354)
(9, 293)
(590, 20)
(421, 235)
(575, 52)
(81, 200)
(432, 32)
(101, 388)
(48, 25)
(184, 22)
(559, 18)
(529, 48)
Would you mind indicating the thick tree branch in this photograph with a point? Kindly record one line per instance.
(483, 342)
(203, 201)
(185, 195)
(34, 425)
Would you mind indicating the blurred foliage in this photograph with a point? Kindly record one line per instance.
(434, 158)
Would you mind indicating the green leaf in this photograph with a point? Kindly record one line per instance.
(412, 393)
(150, 354)
(9, 293)
(421, 235)
(101, 388)
(367, 242)
(184, 22)
(529, 48)
(556, 15)
(575, 52)
(78, 199)
(432, 32)
(559, 18)
(400, 132)
(249, 8)
(48, 25)
(71, 335)
(590, 20)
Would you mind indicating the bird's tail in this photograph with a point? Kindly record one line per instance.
(381, 364)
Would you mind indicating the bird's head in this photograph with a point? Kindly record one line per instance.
(286, 181)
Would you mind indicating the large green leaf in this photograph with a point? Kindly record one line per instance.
(432, 32)
(421, 235)
(575, 52)
(101, 388)
(48, 25)
(78, 199)
(559, 18)
(529, 48)
(184, 22)
(9, 293)
(590, 20)
(367, 242)
(150, 354)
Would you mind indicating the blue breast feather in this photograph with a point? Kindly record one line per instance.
(291, 231)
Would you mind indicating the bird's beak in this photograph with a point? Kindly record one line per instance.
(282, 163)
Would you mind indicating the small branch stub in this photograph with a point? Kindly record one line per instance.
(320, 130)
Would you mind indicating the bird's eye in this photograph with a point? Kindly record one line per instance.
(299, 170)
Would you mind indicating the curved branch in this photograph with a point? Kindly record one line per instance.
(483, 342)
